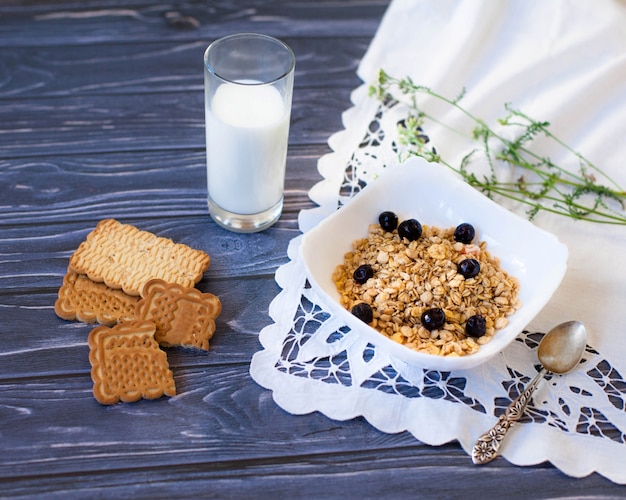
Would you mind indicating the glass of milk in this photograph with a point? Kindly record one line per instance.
(248, 85)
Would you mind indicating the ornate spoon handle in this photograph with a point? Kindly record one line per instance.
(487, 446)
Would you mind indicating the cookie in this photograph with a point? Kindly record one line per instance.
(84, 300)
(183, 316)
(122, 256)
(127, 363)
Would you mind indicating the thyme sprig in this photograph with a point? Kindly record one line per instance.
(541, 184)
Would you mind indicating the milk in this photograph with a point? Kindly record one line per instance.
(247, 127)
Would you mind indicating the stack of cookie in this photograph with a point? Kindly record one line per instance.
(140, 288)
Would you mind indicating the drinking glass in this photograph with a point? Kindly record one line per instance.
(248, 87)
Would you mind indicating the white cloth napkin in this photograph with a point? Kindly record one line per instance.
(563, 61)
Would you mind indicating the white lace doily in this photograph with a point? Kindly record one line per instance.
(311, 362)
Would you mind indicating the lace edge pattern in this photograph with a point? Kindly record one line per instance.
(572, 408)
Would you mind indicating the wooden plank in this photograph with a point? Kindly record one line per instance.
(400, 473)
(162, 121)
(85, 187)
(219, 414)
(75, 70)
(56, 23)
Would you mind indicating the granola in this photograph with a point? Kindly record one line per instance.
(412, 277)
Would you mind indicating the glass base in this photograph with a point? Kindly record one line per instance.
(239, 223)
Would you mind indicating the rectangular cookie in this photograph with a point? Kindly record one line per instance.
(88, 301)
(183, 316)
(127, 363)
(122, 256)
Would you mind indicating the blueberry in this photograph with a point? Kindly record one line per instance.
(363, 273)
(410, 229)
(364, 312)
(388, 221)
(469, 268)
(476, 326)
(433, 319)
(464, 233)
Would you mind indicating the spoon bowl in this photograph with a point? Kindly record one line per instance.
(559, 351)
(562, 347)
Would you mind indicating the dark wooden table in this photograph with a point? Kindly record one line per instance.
(101, 115)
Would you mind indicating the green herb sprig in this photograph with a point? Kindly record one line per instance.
(542, 185)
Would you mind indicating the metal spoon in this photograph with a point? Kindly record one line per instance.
(559, 352)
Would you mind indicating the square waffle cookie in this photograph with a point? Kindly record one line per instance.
(127, 363)
(122, 256)
(183, 316)
(84, 300)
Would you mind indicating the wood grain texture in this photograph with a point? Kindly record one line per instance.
(98, 22)
(90, 186)
(159, 67)
(172, 121)
(101, 115)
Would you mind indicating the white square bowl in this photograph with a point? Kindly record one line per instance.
(434, 196)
